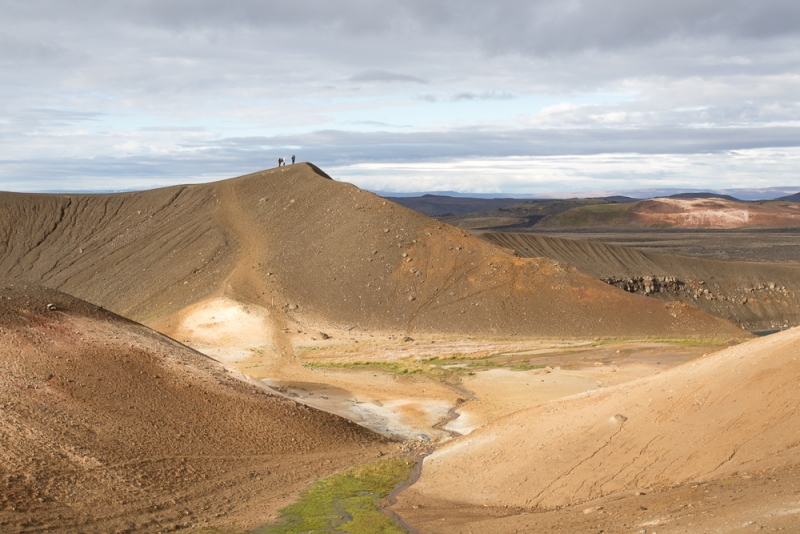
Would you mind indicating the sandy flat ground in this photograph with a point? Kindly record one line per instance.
(707, 446)
(459, 384)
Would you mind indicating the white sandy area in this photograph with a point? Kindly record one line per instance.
(226, 330)
(503, 391)
(403, 417)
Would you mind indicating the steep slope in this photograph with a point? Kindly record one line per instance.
(310, 246)
(138, 254)
(732, 412)
(107, 425)
(758, 296)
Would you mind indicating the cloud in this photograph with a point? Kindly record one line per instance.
(383, 76)
(185, 87)
(487, 95)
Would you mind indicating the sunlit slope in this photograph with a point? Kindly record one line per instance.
(107, 425)
(315, 247)
(681, 213)
(732, 411)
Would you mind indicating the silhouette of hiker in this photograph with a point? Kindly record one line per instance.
(292, 159)
(281, 162)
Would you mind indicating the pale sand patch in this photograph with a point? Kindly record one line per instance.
(404, 407)
(226, 330)
(502, 391)
(402, 417)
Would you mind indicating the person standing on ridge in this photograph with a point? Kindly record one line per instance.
(292, 159)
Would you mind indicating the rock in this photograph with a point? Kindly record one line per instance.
(407, 339)
(51, 307)
(323, 335)
(292, 306)
(411, 298)
(619, 418)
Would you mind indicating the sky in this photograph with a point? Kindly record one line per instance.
(524, 97)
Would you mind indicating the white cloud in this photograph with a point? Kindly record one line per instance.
(122, 88)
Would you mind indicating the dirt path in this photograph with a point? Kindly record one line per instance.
(246, 279)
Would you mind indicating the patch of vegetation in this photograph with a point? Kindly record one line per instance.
(405, 368)
(345, 503)
(526, 367)
(444, 369)
(586, 216)
(714, 343)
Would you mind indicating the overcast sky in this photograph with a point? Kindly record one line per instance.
(512, 96)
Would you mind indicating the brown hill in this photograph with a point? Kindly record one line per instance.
(731, 414)
(109, 426)
(758, 296)
(681, 213)
(315, 248)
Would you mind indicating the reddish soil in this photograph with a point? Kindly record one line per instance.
(108, 426)
(714, 213)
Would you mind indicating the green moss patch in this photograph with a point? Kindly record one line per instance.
(346, 503)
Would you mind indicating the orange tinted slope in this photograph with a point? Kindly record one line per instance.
(681, 213)
(342, 253)
(106, 424)
(732, 411)
(328, 249)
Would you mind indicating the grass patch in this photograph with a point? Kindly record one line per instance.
(445, 369)
(345, 503)
(389, 367)
(705, 342)
(587, 216)
(527, 367)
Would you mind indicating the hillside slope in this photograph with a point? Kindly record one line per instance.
(758, 296)
(733, 412)
(107, 425)
(294, 239)
(674, 212)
